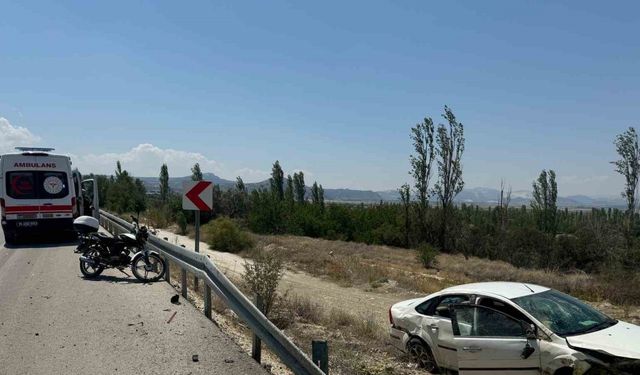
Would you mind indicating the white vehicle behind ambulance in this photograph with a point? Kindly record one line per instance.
(38, 193)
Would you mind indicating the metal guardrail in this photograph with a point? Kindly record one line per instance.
(204, 269)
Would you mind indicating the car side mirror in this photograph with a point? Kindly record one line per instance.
(527, 351)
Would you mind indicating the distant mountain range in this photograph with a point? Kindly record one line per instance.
(479, 195)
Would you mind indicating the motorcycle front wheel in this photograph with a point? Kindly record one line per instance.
(91, 270)
(150, 269)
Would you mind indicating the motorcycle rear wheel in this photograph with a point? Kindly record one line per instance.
(88, 270)
(148, 272)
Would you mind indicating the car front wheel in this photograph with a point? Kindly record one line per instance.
(422, 355)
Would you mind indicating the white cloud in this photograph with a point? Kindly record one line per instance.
(252, 175)
(13, 136)
(258, 175)
(145, 160)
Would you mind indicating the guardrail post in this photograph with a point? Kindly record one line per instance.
(184, 283)
(281, 345)
(167, 272)
(197, 247)
(256, 347)
(320, 354)
(207, 300)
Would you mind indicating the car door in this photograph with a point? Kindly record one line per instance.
(438, 326)
(490, 342)
(90, 195)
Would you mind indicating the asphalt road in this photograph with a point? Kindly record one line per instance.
(52, 321)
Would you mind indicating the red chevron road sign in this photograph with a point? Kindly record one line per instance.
(198, 195)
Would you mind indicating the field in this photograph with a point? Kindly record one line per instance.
(341, 291)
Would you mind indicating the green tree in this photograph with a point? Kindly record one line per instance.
(164, 184)
(288, 192)
(240, 187)
(124, 194)
(421, 162)
(139, 197)
(321, 196)
(315, 194)
(629, 167)
(277, 180)
(299, 187)
(239, 198)
(405, 198)
(118, 169)
(449, 150)
(544, 203)
(196, 173)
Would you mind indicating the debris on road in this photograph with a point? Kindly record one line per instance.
(194, 358)
(175, 299)
(172, 316)
(228, 360)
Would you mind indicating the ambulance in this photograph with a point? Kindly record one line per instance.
(39, 193)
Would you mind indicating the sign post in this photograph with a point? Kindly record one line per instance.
(197, 196)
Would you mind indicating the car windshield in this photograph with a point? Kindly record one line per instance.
(563, 314)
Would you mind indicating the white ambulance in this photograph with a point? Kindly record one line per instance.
(38, 193)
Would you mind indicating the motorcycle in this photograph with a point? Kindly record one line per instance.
(101, 251)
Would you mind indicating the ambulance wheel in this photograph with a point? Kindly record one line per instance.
(10, 238)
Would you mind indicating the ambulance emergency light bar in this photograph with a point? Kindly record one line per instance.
(36, 149)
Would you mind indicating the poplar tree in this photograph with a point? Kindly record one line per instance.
(544, 203)
(299, 186)
(315, 193)
(321, 196)
(629, 167)
(240, 198)
(196, 173)
(240, 185)
(164, 183)
(449, 150)
(405, 198)
(277, 180)
(421, 162)
(288, 192)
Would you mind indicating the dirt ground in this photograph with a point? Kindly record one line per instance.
(327, 293)
(365, 280)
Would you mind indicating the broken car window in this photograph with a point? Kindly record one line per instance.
(483, 322)
(443, 307)
(563, 314)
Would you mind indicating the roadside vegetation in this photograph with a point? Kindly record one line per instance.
(601, 242)
(420, 244)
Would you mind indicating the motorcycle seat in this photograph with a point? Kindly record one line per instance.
(105, 238)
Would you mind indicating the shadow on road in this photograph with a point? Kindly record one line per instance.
(124, 279)
(43, 241)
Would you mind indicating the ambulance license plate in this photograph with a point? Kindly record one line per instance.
(27, 224)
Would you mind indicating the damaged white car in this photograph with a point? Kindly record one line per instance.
(512, 328)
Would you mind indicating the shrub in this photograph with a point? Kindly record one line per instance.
(263, 276)
(182, 223)
(224, 235)
(290, 308)
(427, 255)
(617, 282)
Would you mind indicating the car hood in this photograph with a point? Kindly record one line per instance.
(619, 340)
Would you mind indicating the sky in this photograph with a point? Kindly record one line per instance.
(331, 88)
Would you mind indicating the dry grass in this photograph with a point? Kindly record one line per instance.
(350, 264)
(359, 344)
